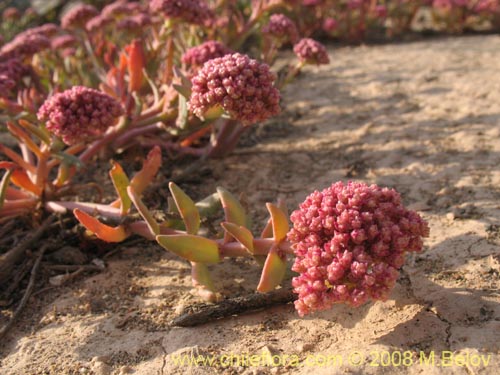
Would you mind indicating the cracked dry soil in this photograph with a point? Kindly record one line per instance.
(423, 118)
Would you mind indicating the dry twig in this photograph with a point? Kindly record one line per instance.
(26, 295)
(205, 313)
(13, 256)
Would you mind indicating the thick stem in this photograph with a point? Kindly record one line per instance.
(227, 139)
(90, 208)
(262, 246)
(97, 145)
(133, 133)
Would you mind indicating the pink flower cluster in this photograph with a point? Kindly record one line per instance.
(120, 8)
(79, 114)
(242, 86)
(23, 46)
(350, 241)
(63, 41)
(191, 11)
(78, 16)
(311, 52)
(282, 28)
(134, 22)
(197, 56)
(11, 73)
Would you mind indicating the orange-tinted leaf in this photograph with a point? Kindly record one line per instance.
(242, 235)
(149, 169)
(136, 63)
(190, 247)
(102, 231)
(25, 138)
(272, 273)
(187, 209)
(121, 182)
(20, 178)
(16, 158)
(267, 232)
(279, 222)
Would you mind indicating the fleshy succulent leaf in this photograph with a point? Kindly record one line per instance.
(20, 178)
(121, 182)
(242, 235)
(143, 211)
(279, 222)
(209, 205)
(267, 232)
(187, 209)
(102, 231)
(25, 138)
(273, 272)
(201, 275)
(149, 169)
(233, 210)
(191, 247)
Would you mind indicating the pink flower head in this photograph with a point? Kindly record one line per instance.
(191, 11)
(381, 11)
(23, 46)
(311, 52)
(63, 41)
(120, 8)
(350, 241)
(197, 56)
(488, 6)
(11, 73)
(310, 3)
(135, 22)
(78, 16)
(330, 24)
(79, 114)
(98, 22)
(354, 4)
(11, 14)
(282, 28)
(47, 30)
(243, 87)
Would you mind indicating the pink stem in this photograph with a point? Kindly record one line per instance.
(127, 136)
(90, 208)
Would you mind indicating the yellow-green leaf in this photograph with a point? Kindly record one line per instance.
(121, 182)
(233, 210)
(201, 276)
(143, 210)
(187, 208)
(242, 235)
(273, 272)
(191, 247)
(279, 222)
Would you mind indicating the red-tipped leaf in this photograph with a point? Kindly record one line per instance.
(279, 222)
(102, 231)
(149, 169)
(273, 272)
(242, 235)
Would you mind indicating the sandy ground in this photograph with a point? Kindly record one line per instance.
(423, 118)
